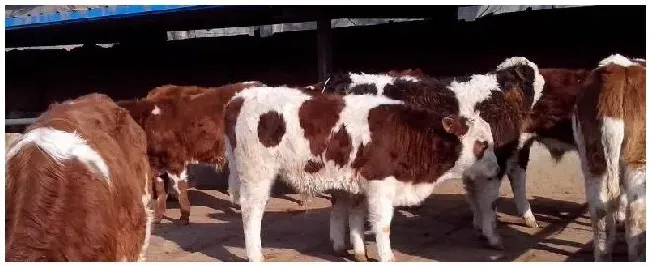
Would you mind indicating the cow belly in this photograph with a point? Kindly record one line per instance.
(330, 177)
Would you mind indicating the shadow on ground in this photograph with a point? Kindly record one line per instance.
(440, 230)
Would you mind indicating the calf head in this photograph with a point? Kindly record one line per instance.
(520, 81)
(477, 155)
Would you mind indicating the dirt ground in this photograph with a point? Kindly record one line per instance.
(439, 230)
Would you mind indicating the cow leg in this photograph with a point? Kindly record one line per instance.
(356, 218)
(184, 201)
(149, 213)
(161, 200)
(472, 200)
(171, 192)
(634, 186)
(180, 186)
(380, 209)
(602, 189)
(305, 198)
(233, 181)
(253, 199)
(487, 191)
(602, 220)
(517, 178)
(338, 218)
(622, 209)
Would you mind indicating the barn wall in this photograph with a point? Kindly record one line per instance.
(574, 37)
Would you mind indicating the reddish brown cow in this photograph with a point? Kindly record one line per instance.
(77, 186)
(182, 127)
(609, 127)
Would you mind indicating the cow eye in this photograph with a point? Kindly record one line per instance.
(479, 148)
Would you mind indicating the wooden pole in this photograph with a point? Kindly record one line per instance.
(324, 39)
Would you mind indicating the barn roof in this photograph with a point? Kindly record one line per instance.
(21, 16)
(471, 13)
(46, 25)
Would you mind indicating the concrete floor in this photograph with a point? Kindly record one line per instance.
(439, 230)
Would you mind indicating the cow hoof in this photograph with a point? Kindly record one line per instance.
(259, 259)
(390, 259)
(479, 234)
(531, 222)
(340, 251)
(184, 221)
(360, 258)
(497, 246)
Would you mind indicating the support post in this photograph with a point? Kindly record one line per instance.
(324, 39)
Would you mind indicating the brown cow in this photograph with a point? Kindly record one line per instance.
(182, 127)
(609, 127)
(77, 186)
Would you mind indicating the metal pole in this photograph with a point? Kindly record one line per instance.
(19, 121)
(324, 38)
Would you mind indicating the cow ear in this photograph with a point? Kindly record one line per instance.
(455, 125)
(449, 124)
(515, 77)
(524, 73)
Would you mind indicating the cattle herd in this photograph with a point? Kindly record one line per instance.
(86, 181)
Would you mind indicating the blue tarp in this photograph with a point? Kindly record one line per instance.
(18, 17)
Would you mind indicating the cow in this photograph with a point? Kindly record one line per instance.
(393, 154)
(609, 129)
(502, 98)
(184, 125)
(172, 92)
(77, 186)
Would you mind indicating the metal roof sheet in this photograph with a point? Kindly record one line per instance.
(17, 17)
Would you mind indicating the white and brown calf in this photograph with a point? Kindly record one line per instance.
(609, 128)
(391, 153)
(502, 98)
